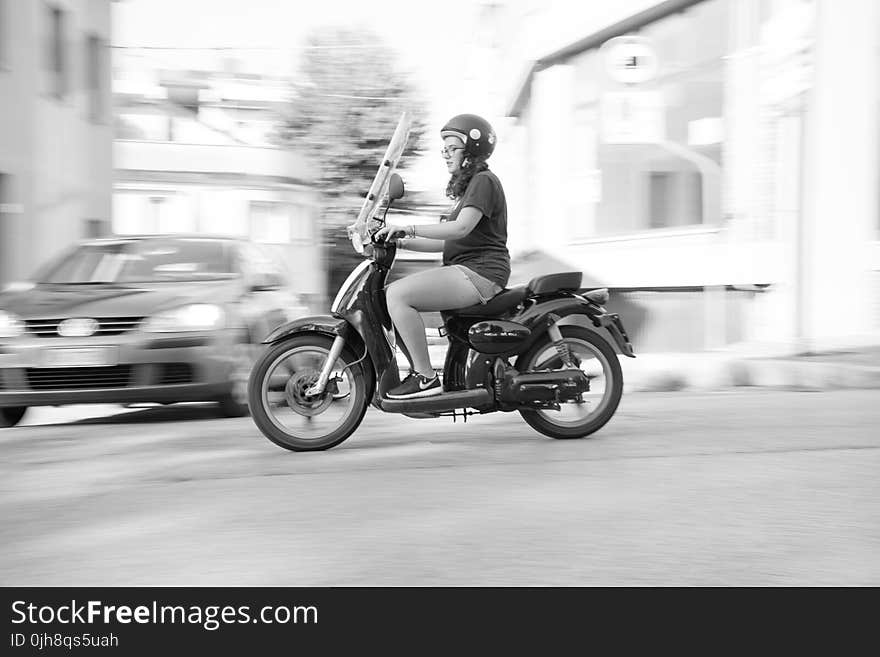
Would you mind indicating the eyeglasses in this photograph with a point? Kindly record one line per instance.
(447, 151)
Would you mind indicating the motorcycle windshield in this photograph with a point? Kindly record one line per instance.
(359, 231)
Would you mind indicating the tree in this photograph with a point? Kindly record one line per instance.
(347, 101)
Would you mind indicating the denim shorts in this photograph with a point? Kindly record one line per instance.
(485, 288)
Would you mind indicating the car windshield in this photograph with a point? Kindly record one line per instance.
(142, 261)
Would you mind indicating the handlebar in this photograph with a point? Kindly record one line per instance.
(390, 237)
(365, 235)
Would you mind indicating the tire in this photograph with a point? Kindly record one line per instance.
(350, 401)
(11, 415)
(228, 407)
(235, 402)
(587, 341)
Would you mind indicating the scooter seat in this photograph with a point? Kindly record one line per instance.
(497, 305)
(549, 283)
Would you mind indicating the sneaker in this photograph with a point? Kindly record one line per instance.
(415, 386)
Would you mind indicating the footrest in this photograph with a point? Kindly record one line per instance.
(448, 401)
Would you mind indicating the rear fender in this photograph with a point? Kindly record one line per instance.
(542, 315)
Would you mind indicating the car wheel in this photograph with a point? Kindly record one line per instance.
(11, 415)
(235, 402)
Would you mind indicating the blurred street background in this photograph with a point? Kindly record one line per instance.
(714, 163)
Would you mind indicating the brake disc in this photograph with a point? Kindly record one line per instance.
(297, 399)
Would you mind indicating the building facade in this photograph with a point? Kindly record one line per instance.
(55, 129)
(193, 154)
(715, 160)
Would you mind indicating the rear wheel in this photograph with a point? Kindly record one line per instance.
(284, 411)
(595, 357)
(10, 416)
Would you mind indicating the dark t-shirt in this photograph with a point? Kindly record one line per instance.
(484, 249)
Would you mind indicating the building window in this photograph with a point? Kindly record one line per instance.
(156, 213)
(270, 222)
(6, 233)
(659, 196)
(657, 145)
(95, 71)
(95, 228)
(300, 224)
(675, 198)
(57, 59)
(4, 33)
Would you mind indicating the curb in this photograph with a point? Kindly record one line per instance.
(781, 373)
(804, 375)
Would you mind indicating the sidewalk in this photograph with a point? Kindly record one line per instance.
(831, 366)
(838, 368)
(719, 370)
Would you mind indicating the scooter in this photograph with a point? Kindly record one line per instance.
(536, 349)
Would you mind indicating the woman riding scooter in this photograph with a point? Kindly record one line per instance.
(531, 348)
(473, 239)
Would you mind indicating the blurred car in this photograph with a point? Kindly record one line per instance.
(140, 319)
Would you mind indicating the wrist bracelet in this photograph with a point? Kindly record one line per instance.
(412, 231)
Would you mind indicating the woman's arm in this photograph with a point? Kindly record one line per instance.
(423, 244)
(467, 219)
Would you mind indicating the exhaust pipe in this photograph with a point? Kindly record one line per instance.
(549, 386)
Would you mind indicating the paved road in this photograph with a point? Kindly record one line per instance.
(750, 487)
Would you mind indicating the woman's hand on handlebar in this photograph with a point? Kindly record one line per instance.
(391, 231)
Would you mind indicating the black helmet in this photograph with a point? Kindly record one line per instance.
(474, 131)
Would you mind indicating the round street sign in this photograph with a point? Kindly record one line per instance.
(629, 59)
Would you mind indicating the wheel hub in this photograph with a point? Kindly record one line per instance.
(302, 403)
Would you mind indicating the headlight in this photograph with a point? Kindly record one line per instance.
(19, 286)
(10, 325)
(193, 317)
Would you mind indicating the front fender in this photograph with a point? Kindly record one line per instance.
(325, 324)
(331, 327)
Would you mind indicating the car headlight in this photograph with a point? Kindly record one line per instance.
(10, 325)
(19, 286)
(192, 317)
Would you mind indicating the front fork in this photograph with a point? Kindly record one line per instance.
(332, 357)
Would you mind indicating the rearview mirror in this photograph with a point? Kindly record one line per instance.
(395, 187)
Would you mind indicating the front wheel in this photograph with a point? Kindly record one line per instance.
(595, 357)
(11, 415)
(287, 415)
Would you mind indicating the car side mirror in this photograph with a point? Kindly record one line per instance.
(266, 283)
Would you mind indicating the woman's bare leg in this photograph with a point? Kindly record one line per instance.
(442, 288)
